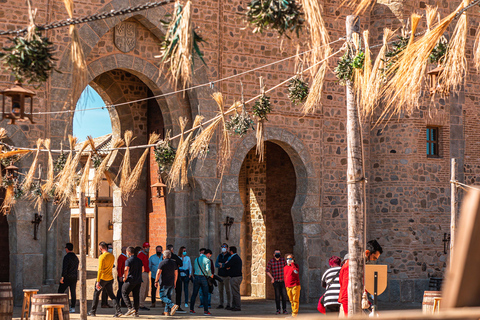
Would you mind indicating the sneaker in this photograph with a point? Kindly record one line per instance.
(91, 313)
(285, 312)
(153, 305)
(174, 309)
(72, 310)
(220, 307)
(136, 315)
(144, 308)
(180, 310)
(186, 305)
(206, 313)
(200, 306)
(192, 312)
(106, 306)
(165, 314)
(117, 315)
(130, 312)
(278, 311)
(227, 308)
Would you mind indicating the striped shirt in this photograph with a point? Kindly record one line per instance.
(332, 285)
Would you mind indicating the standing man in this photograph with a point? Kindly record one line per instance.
(234, 267)
(143, 255)
(120, 271)
(166, 280)
(69, 275)
(275, 272)
(292, 282)
(132, 279)
(153, 263)
(202, 271)
(104, 280)
(178, 284)
(223, 274)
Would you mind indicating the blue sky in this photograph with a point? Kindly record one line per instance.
(93, 123)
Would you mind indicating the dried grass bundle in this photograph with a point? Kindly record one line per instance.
(27, 183)
(431, 14)
(315, 95)
(364, 76)
(9, 154)
(65, 188)
(403, 89)
(48, 186)
(361, 6)
(3, 133)
(260, 135)
(455, 62)
(85, 174)
(132, 183)
(125, 167)
(178, 172)
(102, 170)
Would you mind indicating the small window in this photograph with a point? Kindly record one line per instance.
(432, 142)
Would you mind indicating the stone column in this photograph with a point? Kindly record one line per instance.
(117, 221)
(212, 224)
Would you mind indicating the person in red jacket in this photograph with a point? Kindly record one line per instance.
(373, 252)
(291, 276)
(120, 270)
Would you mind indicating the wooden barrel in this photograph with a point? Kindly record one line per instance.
(428, 300)
(6, 301)
(38, 313)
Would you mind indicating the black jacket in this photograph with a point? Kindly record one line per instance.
(70, 266)
(234, 266)
(177, 260)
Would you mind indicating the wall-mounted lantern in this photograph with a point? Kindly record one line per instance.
(433, 77)
(16, 110)
(159, 186)
(11, 172)
(228, 225)
(110, 225)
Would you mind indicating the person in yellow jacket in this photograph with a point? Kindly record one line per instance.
(104, 280)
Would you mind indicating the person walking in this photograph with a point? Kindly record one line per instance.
(202, 271)
(186, 272)
(331, 283)
(132, 278)
(104, 280)
(69, 275)
(143, 255)
(223, 274)
(153, 263)
(291, 274)
(166, 280)
(275, 272)
(208, 254)
(234, 271)
(178, 284)
(120, 271)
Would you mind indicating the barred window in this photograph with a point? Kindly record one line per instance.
(432, 142)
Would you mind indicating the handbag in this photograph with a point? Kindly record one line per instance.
(210, 281)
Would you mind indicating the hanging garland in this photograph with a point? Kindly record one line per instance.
(280, 15)
(60, 162)
(298, 90)
(164, 155)
(240, 123)
(96, 160)
(262, 107)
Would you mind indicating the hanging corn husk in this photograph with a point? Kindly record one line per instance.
(27, 183)
(178, 172)
(181, 44)
(455, 62)
(102, 169)
(125, 167)
(132, 183)
(47, 187)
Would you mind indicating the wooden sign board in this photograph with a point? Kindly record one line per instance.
(462, 281)
(370, 270)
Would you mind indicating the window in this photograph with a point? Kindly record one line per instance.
(432, 142)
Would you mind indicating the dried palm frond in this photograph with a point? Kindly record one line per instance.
(402, 90)
(102, 170)
(174, 176)
(132, 183)
(9, 154)
(361, 6)
(27, 183)
(315, 95)
(65, 188)
(431, 14)
(85, 174)
(125, 167)
(455, 62)
(47, 187)
(3, 133)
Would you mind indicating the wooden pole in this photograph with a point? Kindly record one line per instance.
(355, 181)
(82, 243)
(453, 206)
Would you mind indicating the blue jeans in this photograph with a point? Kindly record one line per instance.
(166, 296)
(199, 282)
(185, 282)
(209, 297)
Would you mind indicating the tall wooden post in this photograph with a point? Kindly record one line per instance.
(355, 181)
(82, 243)
(453, 206)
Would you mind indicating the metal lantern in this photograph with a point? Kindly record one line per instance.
(159, 187)
(433, 77)
(11, 172)
(18, 95)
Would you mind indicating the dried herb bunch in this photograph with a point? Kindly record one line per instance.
(240, 123)
(280, 15)
(439, 52)
(36, 189)
(262, 107)
(29, 60)
(60, 162)
(96, 160)
(164, 155)
(298, 90)
(344, 69)
(395, 48)
(18, 192)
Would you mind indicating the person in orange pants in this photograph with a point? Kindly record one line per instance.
(292, 283)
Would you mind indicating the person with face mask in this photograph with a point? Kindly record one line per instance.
(153, 263)
(275, 272)
(185, 273)
(291, 274)
(143, 255)
(222, 273)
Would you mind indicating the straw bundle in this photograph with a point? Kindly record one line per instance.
(361, 6)
(455, 62)
(86, 174)
(65, 188)
(132, 184)
(3, 133)
(403, 89)
(27, 183)
(102, 170)
(178, 172)
(125, 167)
(315, 95)
(364, 76)
(47, 187)
(431, 14)
(9, 154)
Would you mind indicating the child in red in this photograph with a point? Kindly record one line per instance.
(292, 283)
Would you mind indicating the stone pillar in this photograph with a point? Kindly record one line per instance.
(178, 219)
(117, 221)
(212, 223)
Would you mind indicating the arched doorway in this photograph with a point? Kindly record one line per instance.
(267, 190)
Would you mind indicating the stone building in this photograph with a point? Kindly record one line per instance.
(296, 199)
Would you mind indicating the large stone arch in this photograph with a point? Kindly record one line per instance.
(306, 212)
